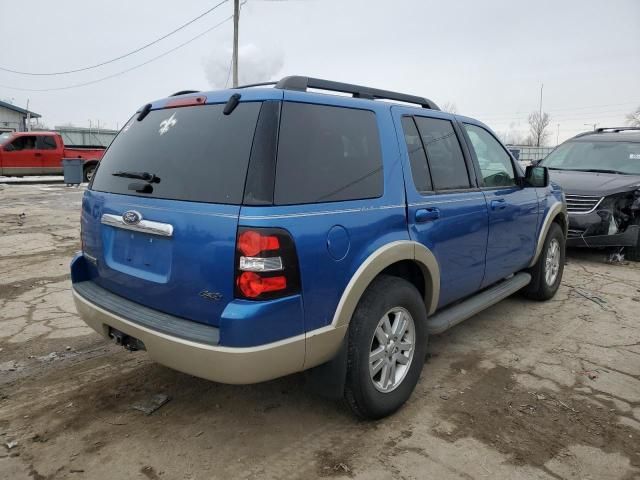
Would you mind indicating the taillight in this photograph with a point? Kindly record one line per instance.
(266, 264)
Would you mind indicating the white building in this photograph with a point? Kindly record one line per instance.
(14, 119)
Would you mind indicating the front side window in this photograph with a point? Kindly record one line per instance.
(495, 164)
(448, 168)
(327, 154)
(46, 142)
(24, 142)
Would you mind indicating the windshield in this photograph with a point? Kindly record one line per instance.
(4, 136)
(617, 157)
(188, 153)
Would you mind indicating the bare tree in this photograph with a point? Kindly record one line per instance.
(538, 128)
(633, 118)
(449, 107)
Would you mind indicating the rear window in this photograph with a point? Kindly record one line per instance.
(327, 154)
(198, 153)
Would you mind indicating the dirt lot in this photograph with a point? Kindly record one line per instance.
(523, 390)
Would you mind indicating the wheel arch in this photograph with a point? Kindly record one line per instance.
(557, 214)
(384, 259)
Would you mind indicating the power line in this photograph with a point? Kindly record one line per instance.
(76, 85)
(83, 69)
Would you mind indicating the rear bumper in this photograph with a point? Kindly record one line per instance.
(212, 362)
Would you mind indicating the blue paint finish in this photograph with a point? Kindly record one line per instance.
(513, 226)
(474, 244)
(245, 323)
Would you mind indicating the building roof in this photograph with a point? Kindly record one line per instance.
(19, 110)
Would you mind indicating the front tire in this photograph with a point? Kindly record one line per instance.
(546, 274)
(386, 347)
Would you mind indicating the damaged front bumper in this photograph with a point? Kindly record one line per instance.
(628, 238)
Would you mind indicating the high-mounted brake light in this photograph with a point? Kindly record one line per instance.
(266, 264)
(186, 102)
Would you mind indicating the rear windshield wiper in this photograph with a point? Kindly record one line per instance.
(146, 176)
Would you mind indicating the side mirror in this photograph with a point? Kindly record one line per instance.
(536, 176)
(9, 148)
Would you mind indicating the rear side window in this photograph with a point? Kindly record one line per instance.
(327, 154)
(198, 153)
(46, 142)
(448, 168)
(417, 158)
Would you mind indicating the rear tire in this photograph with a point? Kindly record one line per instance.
(633, 253)
(88, 171)
(546, 274)
(386, 347)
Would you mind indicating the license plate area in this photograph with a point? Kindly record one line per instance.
(138, 254)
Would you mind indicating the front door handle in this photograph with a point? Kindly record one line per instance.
(38, 154)
(427, 214)
(499, 204)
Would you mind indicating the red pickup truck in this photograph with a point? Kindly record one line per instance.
(41, 153)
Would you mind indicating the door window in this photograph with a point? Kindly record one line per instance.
(495, 164)
(46, 142)
(24, 142)
(446, 162)
(417, 157)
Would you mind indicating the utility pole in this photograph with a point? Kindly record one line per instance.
(594, 125)
(558, 135)
(236, 21)
(541, 87)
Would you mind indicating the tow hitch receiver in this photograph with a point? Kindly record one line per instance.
(130, 343)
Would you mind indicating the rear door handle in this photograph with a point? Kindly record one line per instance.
(37, 154)
(499, 204)
(427, 215)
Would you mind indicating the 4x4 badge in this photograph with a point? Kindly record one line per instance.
(207, 295)
(166, 124)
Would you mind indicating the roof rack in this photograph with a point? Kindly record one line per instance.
(261, 84)
(358, 91)
(184, 92)
(615, 129)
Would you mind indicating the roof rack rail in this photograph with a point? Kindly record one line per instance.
(615, 129)
(261, 84)
(184, 92)
(358, 91)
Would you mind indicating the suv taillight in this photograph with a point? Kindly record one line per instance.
(266, 264)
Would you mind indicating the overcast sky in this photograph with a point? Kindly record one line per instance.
(487, 57)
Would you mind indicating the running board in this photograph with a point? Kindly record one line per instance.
(451, 316)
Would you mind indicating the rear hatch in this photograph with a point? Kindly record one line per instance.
(161, 215)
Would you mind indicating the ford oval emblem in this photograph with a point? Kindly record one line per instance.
(131, 217)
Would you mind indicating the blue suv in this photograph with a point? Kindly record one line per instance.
(242, 235)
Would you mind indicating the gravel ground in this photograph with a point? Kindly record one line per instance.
(522, 390)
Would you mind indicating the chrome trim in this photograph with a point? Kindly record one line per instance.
(455, 200)
(144, 226)
(570, 198)
(320, 212)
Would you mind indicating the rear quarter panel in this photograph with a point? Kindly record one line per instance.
(366, 224)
